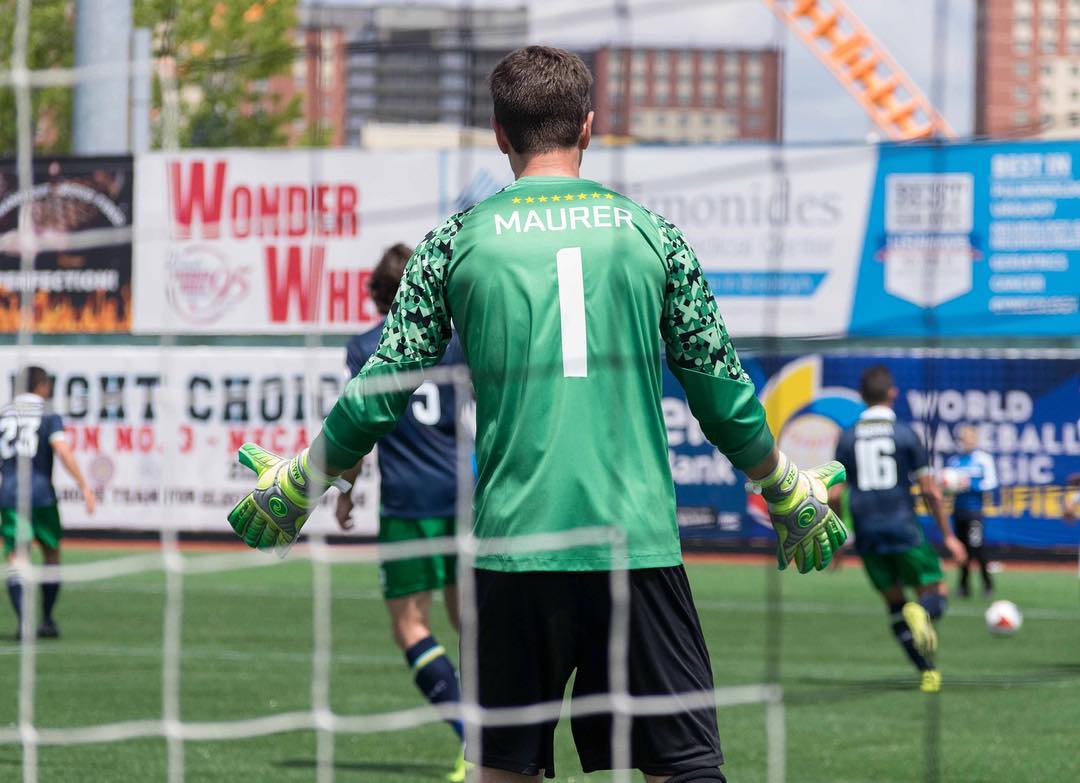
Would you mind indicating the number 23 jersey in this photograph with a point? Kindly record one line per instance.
(883, 458)
(28, 428)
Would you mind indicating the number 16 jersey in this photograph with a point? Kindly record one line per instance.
(562, 292)
(883, 458)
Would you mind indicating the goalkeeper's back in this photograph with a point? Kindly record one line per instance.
(560, 290)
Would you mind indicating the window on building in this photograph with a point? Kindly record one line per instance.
(1047, 95)
(731, 90)
(1074, 118)
(753, 123)
(1046, 121)
(614, 59)
(686, 62)
(1022, 69)
(1021, 119)
(707, 64)
(1022, 48)
(1046, 70)
(637, 63)
(731, 64)
(639, 90)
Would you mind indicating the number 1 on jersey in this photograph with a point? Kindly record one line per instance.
(575, 360)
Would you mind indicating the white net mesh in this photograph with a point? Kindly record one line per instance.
(177, 566)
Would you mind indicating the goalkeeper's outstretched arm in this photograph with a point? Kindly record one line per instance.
(414, 338)
(722, 398)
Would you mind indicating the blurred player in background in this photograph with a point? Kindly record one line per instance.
(980, 476)
(883, 458)
(28, 428)
(560, 289)
(418, 501)
(1072, 497)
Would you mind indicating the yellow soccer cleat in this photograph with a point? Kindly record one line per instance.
(460, 772)
(922, 629)
(931, 681)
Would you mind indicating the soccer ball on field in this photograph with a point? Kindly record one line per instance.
(953, 481)
(1003, 618)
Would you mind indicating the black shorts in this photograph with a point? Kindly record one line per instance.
(969, 527)
(536, 628)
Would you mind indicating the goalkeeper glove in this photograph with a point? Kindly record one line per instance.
(284, 496)
(798, 500)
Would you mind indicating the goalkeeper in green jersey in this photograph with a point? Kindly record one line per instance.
(559, 289)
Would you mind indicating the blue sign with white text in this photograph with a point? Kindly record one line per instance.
(1025, 411)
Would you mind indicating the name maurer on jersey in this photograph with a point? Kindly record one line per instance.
(561, 219)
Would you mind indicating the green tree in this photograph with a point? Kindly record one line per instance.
(225, 55)
(51, 45)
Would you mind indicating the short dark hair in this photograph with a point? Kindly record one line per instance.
(541, 97)
(875, 384)
(386, 276)
(30, 378)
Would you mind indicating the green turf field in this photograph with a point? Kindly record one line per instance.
(1009, 710)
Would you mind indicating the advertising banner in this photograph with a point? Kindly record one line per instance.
(80, 211)
(958, 240)
(244, 241)
(1024, 408)
(156, 431)
(972, 239)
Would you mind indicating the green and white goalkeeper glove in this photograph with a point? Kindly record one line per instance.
(798, 500)
(284, 496)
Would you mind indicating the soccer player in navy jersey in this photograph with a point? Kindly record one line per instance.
(31, 430)
(418, 499)
(884, 458)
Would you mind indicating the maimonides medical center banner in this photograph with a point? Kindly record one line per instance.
(879, 241)
(156, 431)
(1025, 410)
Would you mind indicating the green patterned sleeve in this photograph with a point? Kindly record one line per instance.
(700, 354)
(415, 335)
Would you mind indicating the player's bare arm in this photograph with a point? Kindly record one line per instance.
(931, 493)
(344, 507)
(62, 449)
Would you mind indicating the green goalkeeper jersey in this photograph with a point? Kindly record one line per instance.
(564, 295)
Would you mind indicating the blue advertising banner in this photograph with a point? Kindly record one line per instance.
(972, 239)
(1024, 408)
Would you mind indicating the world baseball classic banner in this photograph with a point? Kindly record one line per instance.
(80, 212)
(1024, 406)
(156, 431)
(245, 241)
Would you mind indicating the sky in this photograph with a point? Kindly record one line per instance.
(816, 107)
